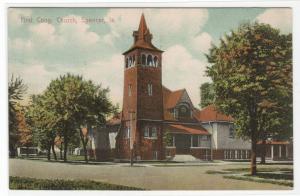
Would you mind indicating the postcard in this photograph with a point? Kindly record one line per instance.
(161, 98)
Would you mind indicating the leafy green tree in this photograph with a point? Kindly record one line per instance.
(167, 139)
(16, 91)
(44, 124)
(251, 74)
(77, 103)
(207, 94)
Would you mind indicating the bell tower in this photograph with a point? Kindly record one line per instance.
(142, 113)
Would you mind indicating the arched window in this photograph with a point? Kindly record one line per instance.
(149, 60)
(130, 61)
(143, 59)
(155, 61)
(126, 62)
(133, 60)
(183, 111)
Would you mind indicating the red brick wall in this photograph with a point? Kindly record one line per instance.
(200, 153)
(171, 151)
(149, 107)
(218, 154)
(146, 146)
(144, 106)
(104, 155)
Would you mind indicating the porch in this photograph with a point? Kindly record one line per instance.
(277, 150)
(192, 140)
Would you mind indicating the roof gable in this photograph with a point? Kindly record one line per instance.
(210, 113)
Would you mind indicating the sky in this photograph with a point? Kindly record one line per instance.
(44, 43)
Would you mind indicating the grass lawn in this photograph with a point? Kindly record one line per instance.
(21, 183)
(44, 157)
(280, 176)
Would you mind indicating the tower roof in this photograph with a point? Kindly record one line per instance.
(142, 37)
(143, 29)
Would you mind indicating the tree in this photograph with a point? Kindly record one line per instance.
(167, 139)
(24, 133)
(207, 94)
(44, 123)
(76, 103)
(16, 90)
(251, 74)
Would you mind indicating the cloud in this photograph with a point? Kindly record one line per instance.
(280, 18)
(44, 35)
(170, 26)
(109, 73)
(50, 50)
(202, 42)
(182, 70)
(78, 32)
(20, 44)
(34, 75)
(61, 44)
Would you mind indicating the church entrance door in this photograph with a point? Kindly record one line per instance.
(182, 143)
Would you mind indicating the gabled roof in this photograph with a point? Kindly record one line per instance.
(187, 129)
(115, 120)
(210, 113)
(142, 37)
(171, 98)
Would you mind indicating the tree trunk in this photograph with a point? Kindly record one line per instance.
(85, 154)
(253, 152)
(27, 153)
(53, 151)
(49, 153)
(84, 144)
(60, 151)
(263, 152)
(65, 150)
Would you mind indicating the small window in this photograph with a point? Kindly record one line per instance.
(204, 137)
(146, 132)
(133, 61)
(127, 62)
(143, 59)
(127, 133)
(129, 89)
(130, 61)
(155, 155)
(155, 61)
(149, 60)
(154, 132)
(195, 140)
(150, 132)
(231, 131)
(150, 89)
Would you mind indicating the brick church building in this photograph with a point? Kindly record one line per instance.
(150, 110)
(151, 113)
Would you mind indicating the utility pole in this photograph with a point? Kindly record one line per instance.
(131, 137)
(211, 140)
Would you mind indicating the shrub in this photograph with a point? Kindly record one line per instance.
(56, 184)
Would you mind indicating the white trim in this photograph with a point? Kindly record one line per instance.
(279, 151)
(149, 119)
(217, 121)
(174, 141)
(150, 138)
(272, 152)
(177, 122)
(200, 147)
